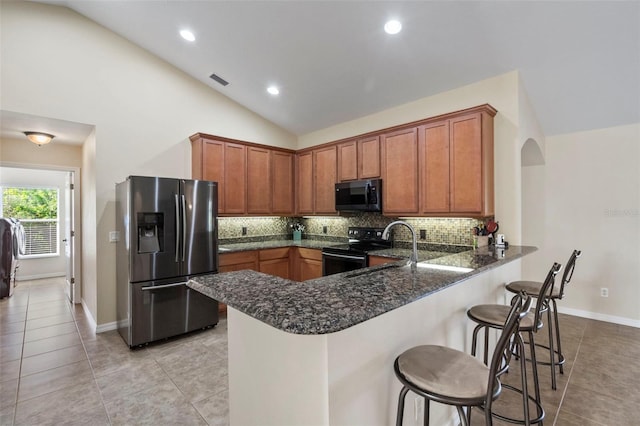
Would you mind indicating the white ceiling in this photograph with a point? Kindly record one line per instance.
(579, 61)
(13, 125)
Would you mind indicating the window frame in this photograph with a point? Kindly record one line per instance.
(57, 219)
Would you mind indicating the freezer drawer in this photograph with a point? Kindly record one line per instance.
(160, 310)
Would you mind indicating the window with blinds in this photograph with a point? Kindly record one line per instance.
(37, 210)
(41, 236)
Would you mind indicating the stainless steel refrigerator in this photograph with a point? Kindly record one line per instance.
(168, 233)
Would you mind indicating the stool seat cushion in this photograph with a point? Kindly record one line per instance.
(531, 288)
(496, 315)
(443, 371)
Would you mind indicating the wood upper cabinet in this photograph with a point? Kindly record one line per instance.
(369, 158)
(259, 188)
(235, 178)
(304, 189)
(324, 167)
(225, 163)
(282, 182)
(316, 172)
(456, 165)
(433, 157)
(466, 164)
(347, 161)
(359, 159)
(252, 179)
(400, 172)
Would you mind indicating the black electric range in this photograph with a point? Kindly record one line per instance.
(354, 255)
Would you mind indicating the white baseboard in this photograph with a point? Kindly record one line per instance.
(107, 327)
(40, 276)
(92, 321)
(87, 312)
(600, 317)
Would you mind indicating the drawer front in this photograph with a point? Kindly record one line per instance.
(275, 253)
(307, 253)
(226, 259)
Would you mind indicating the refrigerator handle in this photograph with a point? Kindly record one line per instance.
(177, 228)
(184, 226)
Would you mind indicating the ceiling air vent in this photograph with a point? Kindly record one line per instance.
(219, 79)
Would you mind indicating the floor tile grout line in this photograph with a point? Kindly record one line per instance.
(566, 388)
(93, 373)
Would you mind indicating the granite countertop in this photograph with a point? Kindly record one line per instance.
(259, 245)
(336, 302)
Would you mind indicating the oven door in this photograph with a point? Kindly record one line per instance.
(335, 263)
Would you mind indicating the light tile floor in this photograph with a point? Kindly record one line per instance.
(55, 370)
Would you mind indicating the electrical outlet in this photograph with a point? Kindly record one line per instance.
(114, 236)
(604, 292)
(418, 407)
(423, 234)
(324, 229)
(244, 230)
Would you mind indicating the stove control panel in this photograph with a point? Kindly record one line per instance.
(365, 234)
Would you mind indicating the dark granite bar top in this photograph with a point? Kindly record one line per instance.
(336, 302)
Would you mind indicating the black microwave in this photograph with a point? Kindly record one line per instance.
(359, 195)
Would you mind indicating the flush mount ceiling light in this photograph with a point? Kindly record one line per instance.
(39, 138)
(273, 90)
(392, 27)
(187, 35)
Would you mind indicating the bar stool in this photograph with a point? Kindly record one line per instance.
(452, 377)
(532, 288)
(492, 316)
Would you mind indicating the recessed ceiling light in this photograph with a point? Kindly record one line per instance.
(273, 90)
(392, 27)
(187, 35)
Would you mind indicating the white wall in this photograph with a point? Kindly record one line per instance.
(143, 109)
(591, 183)
(42, 267)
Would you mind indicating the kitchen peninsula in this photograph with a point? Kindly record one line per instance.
(321, 352)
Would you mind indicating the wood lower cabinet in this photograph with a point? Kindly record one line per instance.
(308, 264)
(400, 172)
(380, 260)
(276, 262)
(238, 261)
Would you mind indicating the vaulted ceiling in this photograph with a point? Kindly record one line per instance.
(332, 61)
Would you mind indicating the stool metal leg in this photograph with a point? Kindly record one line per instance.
(400, 414)
(523, 375)
(558, 344)
(462, 415)
(425, 419)
(551, 350)
(534, 371)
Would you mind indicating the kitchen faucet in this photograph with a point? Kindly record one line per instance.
(414, 255)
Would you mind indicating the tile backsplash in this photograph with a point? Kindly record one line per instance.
(450, 231)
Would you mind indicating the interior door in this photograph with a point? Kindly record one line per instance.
(69, 236)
